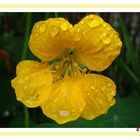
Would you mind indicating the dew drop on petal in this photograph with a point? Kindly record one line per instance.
(78, 35)
(42, 28)
(25, 87)
(105, 38)
(73, 110)
(82, 22)
(103, 88)
(104, 25)
(88, 93)
(54, 31)
(109, 85)
(64, 26)
(64, 113)
(100, 101)
(26, 78)
(92, 87)
(119, 43)
(93, 23)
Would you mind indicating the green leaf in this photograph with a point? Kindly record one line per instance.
(7, 95)
(130, 75)
(130, 48)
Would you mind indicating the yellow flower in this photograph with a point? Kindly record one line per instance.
(58, 84)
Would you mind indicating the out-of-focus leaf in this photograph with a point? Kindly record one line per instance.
(130, 75)
(7, 95)
(130, 48)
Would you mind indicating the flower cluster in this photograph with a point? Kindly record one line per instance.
(58, 84)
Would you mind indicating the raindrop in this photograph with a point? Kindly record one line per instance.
(119, 43)
(100, 101)
(104, 25)
(92, 87)
(54, 31)
(42, 28)
(25, 87)
(94, 23)
(105, 38)
(108, 84)
(88, 93)
(73, 110)
(90, 16)
(82, 22)
(64, 113)
(77, 35)
(64, 26)
(26, 78)
(103, 88)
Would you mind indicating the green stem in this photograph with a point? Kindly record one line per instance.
(27, 33)
(23, 56)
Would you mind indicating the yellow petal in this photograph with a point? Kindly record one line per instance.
(66, 102)
(33, 83)
(98, 92)
(97, 44)
(50, 38)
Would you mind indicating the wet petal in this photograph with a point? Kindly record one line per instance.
(49, 39)
(98, 92)
(33, 83)
(97, 44)
(66, 102)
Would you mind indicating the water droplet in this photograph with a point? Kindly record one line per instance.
(108, 84)
(104, 25)
(120, 43)
(105, 38)
(78, 35)
(90, 16)
(94, 23)
(73, 110)
(36, 34)
(88, 93)
(26, 78)
(55, 100)
(64, 26)
(25, 87)
(64, 113)
(92, 87)
(84, 32)
(42, 28)
(103, 88)
(100, 101)
(82, 22)
(54, 31)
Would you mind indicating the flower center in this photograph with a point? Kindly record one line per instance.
(70, 51)
(66, 66)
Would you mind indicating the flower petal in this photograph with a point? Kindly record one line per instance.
(97, 44)
(33, 83)
(98, 92)
(49, 38)
(66, 102)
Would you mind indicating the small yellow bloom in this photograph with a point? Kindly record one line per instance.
(58, 85)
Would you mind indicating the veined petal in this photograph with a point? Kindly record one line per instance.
(98, 91)
(66, 102)
(97, 44)
(33, 83)
(50, 38)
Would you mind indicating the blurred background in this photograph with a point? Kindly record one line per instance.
(15, 29)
